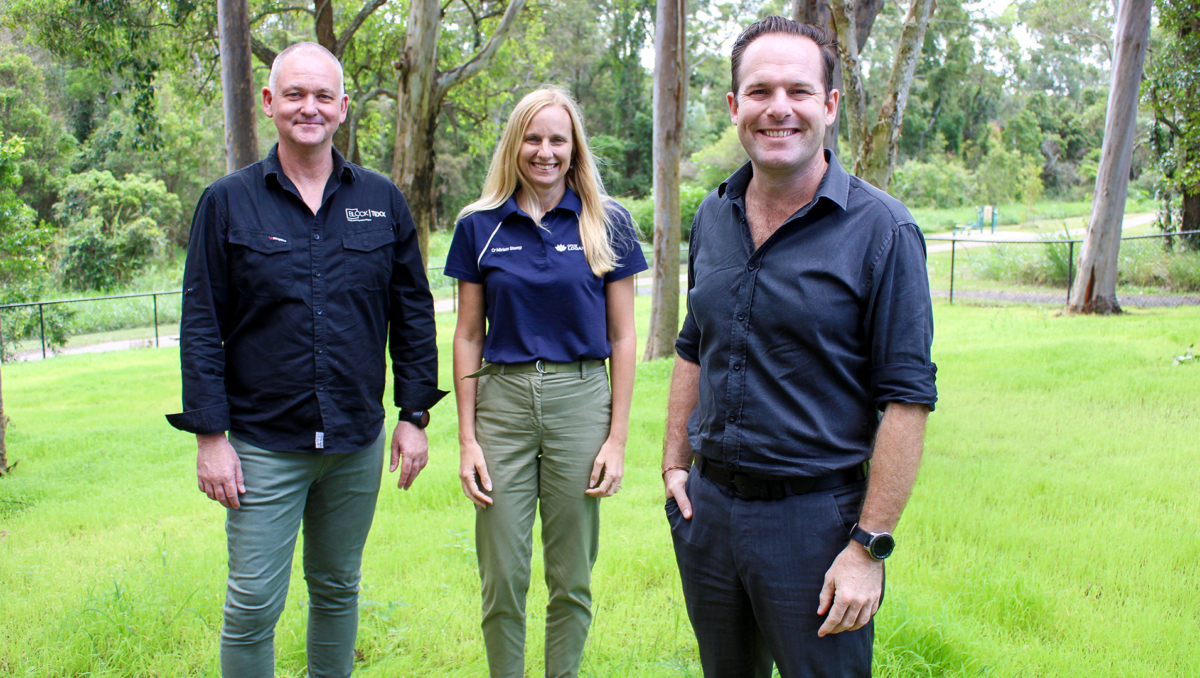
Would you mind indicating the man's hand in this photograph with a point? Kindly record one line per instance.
(410, 444)
(218, 470)
(607, 470)
(675, 481)
(853, 587)
(472, 471)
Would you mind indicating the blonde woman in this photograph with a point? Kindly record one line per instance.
(545, 262)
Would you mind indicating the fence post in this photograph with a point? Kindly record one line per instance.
(1070, 269)
(953, 244)
(42, 323)
(155, 297)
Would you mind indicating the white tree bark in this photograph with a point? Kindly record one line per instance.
(1095, 288)
(419, 100)
(670, 109)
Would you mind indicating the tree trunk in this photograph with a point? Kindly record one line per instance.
(670, 108)
(328, 39)
(875, 148)
(419, 97)
(237, 85)
(1190, 220)
(1096, 286)
(877, 157)
(818, 13)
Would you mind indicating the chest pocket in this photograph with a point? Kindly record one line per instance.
(369, 258)
(260, 264)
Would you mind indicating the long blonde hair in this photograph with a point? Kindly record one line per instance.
(503, 175)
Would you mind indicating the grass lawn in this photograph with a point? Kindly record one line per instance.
(1052, 531)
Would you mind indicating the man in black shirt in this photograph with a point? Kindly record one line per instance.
(808, 315)
(301, 269)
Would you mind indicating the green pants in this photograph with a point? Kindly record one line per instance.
(540, 434)
(334, 495)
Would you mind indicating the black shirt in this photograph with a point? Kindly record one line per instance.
(803, 340)
(286, 315)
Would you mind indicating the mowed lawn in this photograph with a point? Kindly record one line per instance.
(1053, 530)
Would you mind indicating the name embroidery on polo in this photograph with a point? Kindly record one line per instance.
(506, 249)
(353, 214)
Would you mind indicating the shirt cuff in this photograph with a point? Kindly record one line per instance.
(206, 420)
(417, 396)
(904, 383)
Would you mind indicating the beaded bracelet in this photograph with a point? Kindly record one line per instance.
(673, 468)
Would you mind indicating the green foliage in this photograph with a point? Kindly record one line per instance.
(943, 184)
(1143, 265)
(112, 227)
(24, 243)
(26, 112)
(1006, 176)
(1173, 79)
(642, 211)
(715, 162)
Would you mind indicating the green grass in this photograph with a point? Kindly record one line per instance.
(1051, 532)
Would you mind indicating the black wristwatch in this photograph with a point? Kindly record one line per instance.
(879, 545)
(418, 418)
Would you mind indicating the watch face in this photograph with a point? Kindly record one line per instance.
(882, 546)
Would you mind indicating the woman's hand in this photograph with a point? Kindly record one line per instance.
(607, 470)
(472, 471)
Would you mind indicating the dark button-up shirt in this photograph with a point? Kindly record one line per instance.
(286, 314)
(543, 301)
(802, 341)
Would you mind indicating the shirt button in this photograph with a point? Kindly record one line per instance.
(733, 417)
(751, 267)
(320, 350)
(320, 388)
(320, 311)
(316, 236)
(737, 366)
(741, 316)
(318, 274)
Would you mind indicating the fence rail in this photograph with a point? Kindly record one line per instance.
(1069, 242)
(954, 241)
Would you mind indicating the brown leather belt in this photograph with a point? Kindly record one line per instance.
(752, 487)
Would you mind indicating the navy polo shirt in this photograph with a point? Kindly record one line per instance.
(543, 301)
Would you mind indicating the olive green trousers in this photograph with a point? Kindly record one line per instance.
(540, 434)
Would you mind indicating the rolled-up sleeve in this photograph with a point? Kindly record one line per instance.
(201, 332)
(412, 339)
(900, 322)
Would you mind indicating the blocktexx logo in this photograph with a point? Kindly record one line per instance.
(362, 215)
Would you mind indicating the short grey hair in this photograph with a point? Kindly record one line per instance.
(311, 48)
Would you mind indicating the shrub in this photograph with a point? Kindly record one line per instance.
(112, 227)
(642, 211)
(944, 184)
(719, 159)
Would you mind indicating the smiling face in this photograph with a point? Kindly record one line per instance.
(781, 109)
(307, 106)
(545, 154)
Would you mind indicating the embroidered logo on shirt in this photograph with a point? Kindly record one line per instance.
(362, 215)
(506, 249)
(271, 237)
(560, 247)
(568, 248)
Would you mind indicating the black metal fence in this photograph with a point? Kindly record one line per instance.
(978, 269)
(1155, 269)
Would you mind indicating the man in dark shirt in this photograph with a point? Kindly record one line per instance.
(808, 314)
(301, 269)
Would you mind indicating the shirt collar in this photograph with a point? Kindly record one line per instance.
(570, 201)
(273, 170)
(835, 184)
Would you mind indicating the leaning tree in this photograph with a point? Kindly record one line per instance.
(1095, 289)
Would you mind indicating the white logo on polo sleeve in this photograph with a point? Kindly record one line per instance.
(560, 247)
(363, 215)
(568, 248)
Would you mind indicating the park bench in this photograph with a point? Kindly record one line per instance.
(983, 215)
